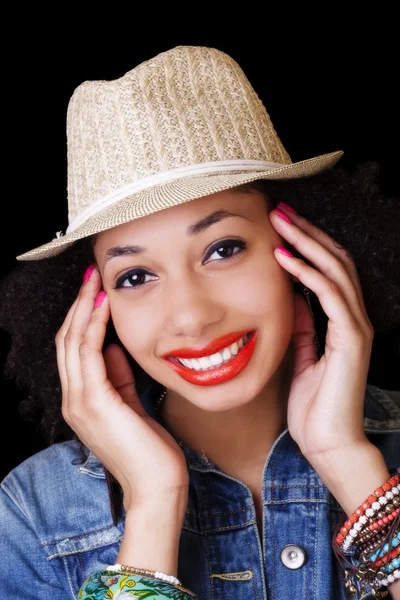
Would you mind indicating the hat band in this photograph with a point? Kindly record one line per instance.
(158, 178)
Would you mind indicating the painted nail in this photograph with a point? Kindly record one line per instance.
(284, 251)
(282, 215)
(88, 273)
(100, 298)
(288, 207)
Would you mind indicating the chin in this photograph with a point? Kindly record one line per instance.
(232, 394)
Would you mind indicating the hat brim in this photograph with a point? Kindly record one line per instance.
(174, 193)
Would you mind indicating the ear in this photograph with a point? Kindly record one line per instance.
(294, 279)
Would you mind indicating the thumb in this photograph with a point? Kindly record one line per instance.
(304, 351)
(120, 374)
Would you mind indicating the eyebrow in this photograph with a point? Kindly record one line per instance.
(192, 230)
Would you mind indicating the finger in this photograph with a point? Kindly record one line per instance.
(92, 365)
(328, 263)
(332, 246)
(121, 376)
(60, 348)
(344, 329)
(76, 331)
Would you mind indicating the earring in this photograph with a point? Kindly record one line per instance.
(160, 400)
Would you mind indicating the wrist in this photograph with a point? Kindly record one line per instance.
(152, 535)
(175, 498)
(352, 473)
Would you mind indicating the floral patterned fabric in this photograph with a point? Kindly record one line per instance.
(109, 585)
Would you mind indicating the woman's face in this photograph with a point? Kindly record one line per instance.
(182, 290)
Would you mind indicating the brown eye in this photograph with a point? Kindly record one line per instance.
(134, 278)
(226, 248)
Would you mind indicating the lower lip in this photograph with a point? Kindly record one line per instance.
(219, 374)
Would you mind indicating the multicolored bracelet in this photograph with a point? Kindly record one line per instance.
(372, 535)
(351, 529)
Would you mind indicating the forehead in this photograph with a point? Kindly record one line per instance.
(179, 218)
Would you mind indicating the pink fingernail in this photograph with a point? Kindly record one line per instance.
(88, 273)
(284, 251)
(100, 298)
(288, 207)
(282, 215)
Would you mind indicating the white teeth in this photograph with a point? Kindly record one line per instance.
(226, 353)
(204, 362)
(234, 348)
(197, 364)
(208, 362)
(216, 359)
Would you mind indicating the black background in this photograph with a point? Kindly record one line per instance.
(327, 83)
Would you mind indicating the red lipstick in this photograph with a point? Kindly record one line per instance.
(207, 348)
(218, 374)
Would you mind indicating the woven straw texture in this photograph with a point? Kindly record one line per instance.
(185, 106)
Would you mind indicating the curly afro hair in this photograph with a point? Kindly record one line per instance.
(346, 203)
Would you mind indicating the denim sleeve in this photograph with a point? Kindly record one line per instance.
(25, 571)
(107, 584)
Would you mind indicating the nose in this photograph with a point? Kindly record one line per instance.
(192, 307)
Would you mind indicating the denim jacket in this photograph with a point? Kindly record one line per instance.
(57, 529)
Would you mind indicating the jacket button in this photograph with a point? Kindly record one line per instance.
(293, 557)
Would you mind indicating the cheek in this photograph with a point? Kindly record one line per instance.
(133, 323)
(264, 290)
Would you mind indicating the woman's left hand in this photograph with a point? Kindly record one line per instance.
(326, 397)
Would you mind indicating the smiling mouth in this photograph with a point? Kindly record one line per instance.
(204, 373)
(216, 360)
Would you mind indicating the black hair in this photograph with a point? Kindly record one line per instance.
(347, 203)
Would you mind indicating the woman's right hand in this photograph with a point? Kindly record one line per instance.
(100, 404)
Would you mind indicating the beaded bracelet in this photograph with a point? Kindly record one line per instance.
(352, 527)
(155, 574)
(395, 543)
(370, 549)
(386, 580)
(365, 531)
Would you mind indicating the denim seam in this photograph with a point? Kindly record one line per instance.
(10, 493)
(232, 512)
(77, 537)
(227, 528)
(85, 471)
(207, 543)
(252, 564)
(375, 426)
(294, 486)
(209, 565)
(308, 500)
(69, 578)
(71, 552)
(251, 553)
(315, 552)
(274, 462)
(307, 539)
(81, 562)
(383, 399)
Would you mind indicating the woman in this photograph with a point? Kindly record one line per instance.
(211, 447)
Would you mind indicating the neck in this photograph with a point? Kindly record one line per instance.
(238, 440)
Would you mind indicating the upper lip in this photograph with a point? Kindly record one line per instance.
(207, 348)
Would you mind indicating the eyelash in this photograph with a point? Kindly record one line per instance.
(224, 244)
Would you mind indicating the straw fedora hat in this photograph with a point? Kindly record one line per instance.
(182, 125)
